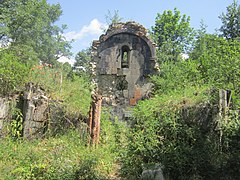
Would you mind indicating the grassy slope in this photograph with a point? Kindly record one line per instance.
(62, 157)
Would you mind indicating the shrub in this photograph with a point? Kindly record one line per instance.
(171, 130)
(176, 76)
(13, 74)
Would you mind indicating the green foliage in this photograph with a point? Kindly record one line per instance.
(170, 130)
(74, 91)
(200, 44)
(62, 157)
(177, 127)
(13, 74)
(82, 63)
(87, 170)
(30, 23)
(71, 96)
(17, 123)
(78, 97)
(46, 76)
(218, 62)
(231, 21)
(172, 34)
(230, 145)
(176, 76)
(113, 133)
(25, 54)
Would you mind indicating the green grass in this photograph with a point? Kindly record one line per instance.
(174, 100)
(66, 155)
(62, 157)
(75, 93)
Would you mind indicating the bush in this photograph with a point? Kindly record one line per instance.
(172, 130)
(13, 74)
(47, 77)
(176, 76)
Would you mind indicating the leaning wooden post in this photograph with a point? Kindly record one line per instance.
(94, 119)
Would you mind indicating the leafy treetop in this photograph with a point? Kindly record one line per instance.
(30, 24)
(231, 21)
(172, 34)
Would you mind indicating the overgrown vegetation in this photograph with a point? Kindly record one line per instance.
(171, 130)
(12, 72)
(65, 156)
(179, 128)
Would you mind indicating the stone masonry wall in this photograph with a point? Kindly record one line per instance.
(35, 111)
(4, 112)
(123, 59)
(32, 104)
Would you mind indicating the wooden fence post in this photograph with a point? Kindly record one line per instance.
(94, 119)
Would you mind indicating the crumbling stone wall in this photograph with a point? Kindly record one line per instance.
(35, 111)
(40, 115)
(32, 104)
(4, 112)
(123, 59)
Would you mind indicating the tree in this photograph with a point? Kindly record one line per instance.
(231, 21)
(30, 23)
(13, 73)
(172, 34)
(199, 46)
(83, 58)
(218, 62)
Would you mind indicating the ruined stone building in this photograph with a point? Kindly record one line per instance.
(123, 59)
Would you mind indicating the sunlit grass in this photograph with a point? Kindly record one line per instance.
(63, 157)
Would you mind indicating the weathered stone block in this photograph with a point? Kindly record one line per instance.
(125, 94)
(4, 108)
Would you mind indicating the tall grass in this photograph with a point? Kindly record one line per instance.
(73, 92)
(62, 157)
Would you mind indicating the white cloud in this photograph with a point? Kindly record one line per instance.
(64, 59)
(94, 28)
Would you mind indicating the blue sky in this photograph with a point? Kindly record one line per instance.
(85, 19)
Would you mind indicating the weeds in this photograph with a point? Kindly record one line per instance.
(61, 157)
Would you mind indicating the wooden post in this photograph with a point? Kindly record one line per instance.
(94, 119)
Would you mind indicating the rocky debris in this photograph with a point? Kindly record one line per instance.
(32, 105)
(39, 114)
(154, 173)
